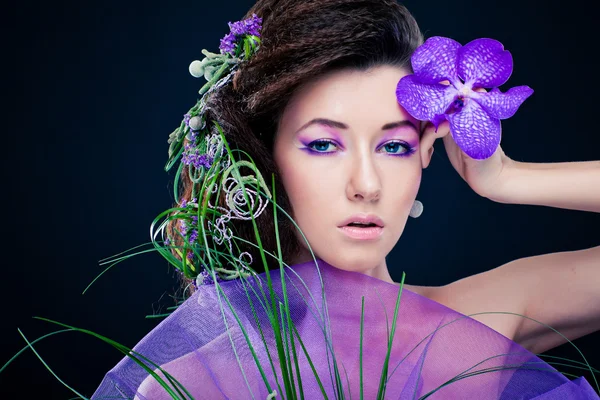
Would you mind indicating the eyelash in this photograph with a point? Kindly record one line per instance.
(409, 149)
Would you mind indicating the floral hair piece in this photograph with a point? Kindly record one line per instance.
(238, 45)
(474, 116)
(202, 222)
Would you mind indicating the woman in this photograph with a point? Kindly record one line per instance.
(316, 107)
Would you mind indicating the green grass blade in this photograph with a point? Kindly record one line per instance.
(362, 332)
(28, 346)
(48, 367)
(135, 357)
(383, 379)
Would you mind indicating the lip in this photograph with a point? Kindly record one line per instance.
(354, 232)
(370, 233)
(363, 218)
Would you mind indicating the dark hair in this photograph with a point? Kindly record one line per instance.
(300, 40)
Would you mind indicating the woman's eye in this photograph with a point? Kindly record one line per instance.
(396, 147)
(321, 145)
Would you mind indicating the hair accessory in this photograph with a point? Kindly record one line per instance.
(203, 222)
(237, 46)
(416, 210)
(474, 116)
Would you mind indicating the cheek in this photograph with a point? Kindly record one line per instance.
(402, 189)
(306, 188)
(312, 194)
(415, 181)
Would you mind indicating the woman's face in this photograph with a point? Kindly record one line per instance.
(346, 148)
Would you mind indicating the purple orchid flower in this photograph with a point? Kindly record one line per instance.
(474, 117)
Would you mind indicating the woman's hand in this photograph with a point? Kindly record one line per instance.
(570, 185)
(486, 177)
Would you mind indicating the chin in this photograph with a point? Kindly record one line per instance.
(348, 256)
(362, 263)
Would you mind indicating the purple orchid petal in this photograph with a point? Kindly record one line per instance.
(436, 60)
(484, 63)
(424, 101)
(502, 105)
(475, 131)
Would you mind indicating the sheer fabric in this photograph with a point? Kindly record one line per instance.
(202, 346)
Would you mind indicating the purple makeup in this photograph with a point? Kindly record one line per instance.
(391, 137)
(320, 146)
(320, 143)
(335, 141)
(398, 144)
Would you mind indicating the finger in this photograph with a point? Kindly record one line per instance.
(429, 136)
(429, 130)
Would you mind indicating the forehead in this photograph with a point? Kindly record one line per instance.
(364, 100)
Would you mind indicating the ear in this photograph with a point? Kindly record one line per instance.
(428, 137)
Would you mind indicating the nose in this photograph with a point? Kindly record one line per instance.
(364, 183)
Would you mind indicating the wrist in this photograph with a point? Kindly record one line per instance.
(506, 181)
(569, 185)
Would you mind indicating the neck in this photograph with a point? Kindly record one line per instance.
(379, 272)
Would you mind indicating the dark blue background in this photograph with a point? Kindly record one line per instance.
(93, 92)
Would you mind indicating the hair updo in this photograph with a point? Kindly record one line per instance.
(300, 40)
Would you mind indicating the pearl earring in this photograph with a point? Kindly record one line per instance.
(416, 209)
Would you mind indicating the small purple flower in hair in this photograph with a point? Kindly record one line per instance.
(183, 228)
(250, 26)
(228, 44)
(474, 116)
(192, 156)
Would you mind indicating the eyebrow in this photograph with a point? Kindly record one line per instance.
(341, 125)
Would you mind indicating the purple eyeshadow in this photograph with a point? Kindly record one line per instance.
(409, 149)
(319, 153)
(336, 140)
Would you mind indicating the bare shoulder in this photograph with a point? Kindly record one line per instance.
(555, 289)
(480, 293)
(425, 291)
